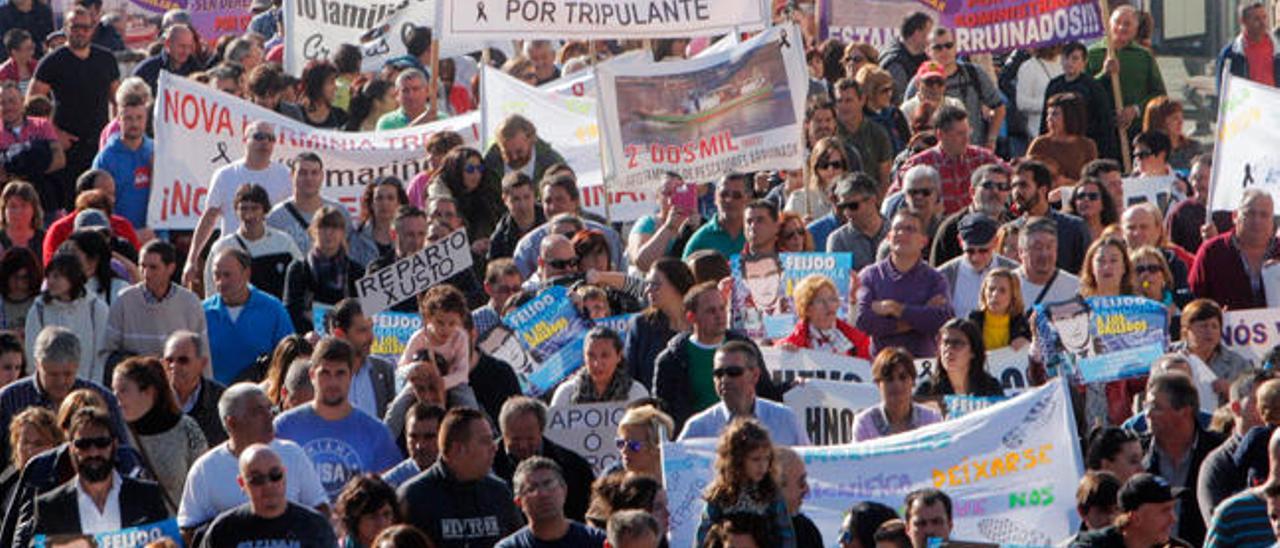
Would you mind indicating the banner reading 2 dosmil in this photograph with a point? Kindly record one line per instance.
(739, 110)
(1010, 470)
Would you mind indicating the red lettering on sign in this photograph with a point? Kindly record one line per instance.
(182, 199)
(193, 112)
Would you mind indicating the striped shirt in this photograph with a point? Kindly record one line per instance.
(1240, 522)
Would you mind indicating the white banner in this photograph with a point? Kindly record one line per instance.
(1244, 156)
(600, 19)
(1251, 333)
(1011, 471)
(317, 27)
(1151, 189)
(588, 429)
(408, 277)
(1007, 365)
(200, 129)
(738, 110)
(827, 408)
(786, 365)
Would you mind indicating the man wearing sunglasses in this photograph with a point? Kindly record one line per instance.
(989, 190)
(976, 235)
(863, 227)
(736, 370)
(269, 519)
(725, 232)
(186, 360)
(556, 259)
(255, 168)
(98, 499)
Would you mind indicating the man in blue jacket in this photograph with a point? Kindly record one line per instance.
(1253, 53)
(243, 322)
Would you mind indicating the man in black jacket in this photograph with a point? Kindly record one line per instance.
(682, 373)
(523, 421)
(1177, 445)
(185, 365)
(93, 446)
(457, 502)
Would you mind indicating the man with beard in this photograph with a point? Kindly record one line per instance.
(1032, 182)
(518, 148)
(373, 381)
(98, 499)
(127, 157)
(77, 75)
(341, 440)
(989, 187)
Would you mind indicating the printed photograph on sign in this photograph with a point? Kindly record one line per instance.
(759, 296)
(1100, 339)
(742, 97)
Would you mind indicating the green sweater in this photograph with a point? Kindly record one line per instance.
(1140, 79)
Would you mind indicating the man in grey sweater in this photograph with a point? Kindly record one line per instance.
(144, 314)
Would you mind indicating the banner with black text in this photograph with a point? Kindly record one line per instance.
(597, 19)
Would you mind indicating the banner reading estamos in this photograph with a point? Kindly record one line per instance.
(739, 110)
(199, 129)
(988, 26)
(1010, 469)
(597, 19)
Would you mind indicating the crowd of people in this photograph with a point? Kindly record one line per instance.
(153, 374)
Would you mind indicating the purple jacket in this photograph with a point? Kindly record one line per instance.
(914, 288)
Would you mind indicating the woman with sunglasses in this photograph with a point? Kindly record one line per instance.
(604, 376)
(831, 157)
(641, 432)
(962, 364)
(170, 441)
(1064, 141)
(1091, 201)
(858, 55)
(479, 198)
(793, 236)
(894, 372)
(877, 91)
(1153, 279)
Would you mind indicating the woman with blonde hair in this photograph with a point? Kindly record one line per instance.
(877, 92)
(31, 432)
(1000, 314)
(818, 327)
(641, 432)
(831, 157)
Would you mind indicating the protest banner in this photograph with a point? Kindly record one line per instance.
(786, 366)
(827, 408)
(740, 110)
(989, 26)
(502, 343)
(960, 405)
(1010, 470)
(1100, 339)
(587, 429)
(128, 537)
(552, 331)
(199, 129)
(1251, 333)
(391, 330)
(211, 18)
(1243, 157)
(407, 277)
(597, 20)
(1159, 190)
(1007, 365)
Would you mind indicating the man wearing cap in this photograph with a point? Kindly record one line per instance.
(989, 190)
(1146, 516)
(931, 91)
(964, 274)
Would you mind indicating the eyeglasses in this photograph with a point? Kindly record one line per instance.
(942, 45)
(473, 168)
(276, 475)
(542, 486)
(731, 371)
(977, 250)
(996, 185)
(852, 205)
(180, 360)
(830, 165)
(955, 343)
(562, 264)
(920, 192)
(624, 444)
(1142, 153)
(854, 59)
(101, 442)
(1090, 196)
(263, 136)
(1148, 269)
(732, 194)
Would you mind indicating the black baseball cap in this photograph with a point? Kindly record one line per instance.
(1145, 488)
(977, 229)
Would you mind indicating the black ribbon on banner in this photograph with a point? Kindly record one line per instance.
(222, 154)
(782, 37)
(480, 14)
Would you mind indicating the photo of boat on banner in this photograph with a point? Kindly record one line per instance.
(741, 98)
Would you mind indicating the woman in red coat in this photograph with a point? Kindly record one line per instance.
(817, 302)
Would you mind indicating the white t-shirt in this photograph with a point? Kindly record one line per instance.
(229, 178)
(1065, 286)
(966, 294)
(211, 486)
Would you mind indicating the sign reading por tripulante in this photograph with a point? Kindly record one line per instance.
(407, 277)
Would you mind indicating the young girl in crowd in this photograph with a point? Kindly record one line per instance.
(66, 302)
(744, 483)
(1000, 311)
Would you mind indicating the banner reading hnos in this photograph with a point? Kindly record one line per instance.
(1010, 469)
(200, 129)
(738, 110)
